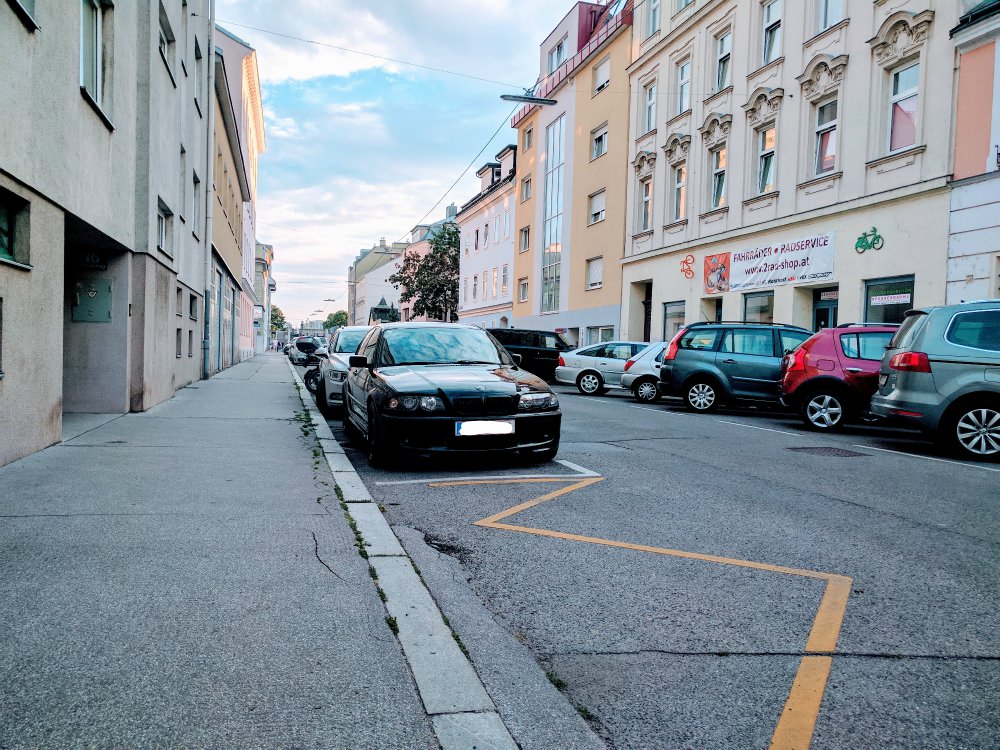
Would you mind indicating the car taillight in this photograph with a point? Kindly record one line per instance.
(628, 364)
(562, 362)
(674, 345)
(796, 361)
(910, 362)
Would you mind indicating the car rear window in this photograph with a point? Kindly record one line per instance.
(700, 339)
(902, 336)
(554, 341)
(790, 340)
(977, 329)
(865, 345)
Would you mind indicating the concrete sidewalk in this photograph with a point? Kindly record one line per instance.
(185, 577)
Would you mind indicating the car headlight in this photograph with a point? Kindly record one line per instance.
(414, 403)
(529, 401)
(337, 376)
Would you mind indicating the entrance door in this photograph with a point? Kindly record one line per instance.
(824, 309)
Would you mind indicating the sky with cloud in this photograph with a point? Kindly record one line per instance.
(359, 148)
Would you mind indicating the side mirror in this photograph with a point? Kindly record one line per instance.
(358, 360)
(517, 358)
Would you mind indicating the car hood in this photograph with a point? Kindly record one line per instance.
(482, 379)
(338, 360)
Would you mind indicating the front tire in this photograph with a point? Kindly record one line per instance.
(824, 411)
(701, 396)
(375, 442)
(319, 396)
(590, 384)
(973, 431)
(311, 380)
(646, 392)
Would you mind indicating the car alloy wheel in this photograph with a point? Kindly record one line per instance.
(701, 397)
(375, 443)
(823, 411)
(589, 383)
(977, 431)
(645, 391)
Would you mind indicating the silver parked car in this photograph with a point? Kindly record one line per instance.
(941, 374)
(596, 368)
(333, 370)
(642, 373)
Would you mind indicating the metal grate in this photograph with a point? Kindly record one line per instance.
(837, 452)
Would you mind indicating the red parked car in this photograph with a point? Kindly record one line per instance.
(831, 377)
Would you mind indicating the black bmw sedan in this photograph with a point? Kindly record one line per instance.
(425, 388)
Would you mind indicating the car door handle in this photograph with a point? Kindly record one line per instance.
(853, 369)
(729, 361)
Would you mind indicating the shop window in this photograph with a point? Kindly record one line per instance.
(887, 300)
(758, 307)
(673, 319)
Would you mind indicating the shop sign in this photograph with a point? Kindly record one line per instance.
(890, 299)
(805, 259)
(258, 312)
(831, 295)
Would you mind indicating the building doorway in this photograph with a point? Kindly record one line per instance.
(825, 304)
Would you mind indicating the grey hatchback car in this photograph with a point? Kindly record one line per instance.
(941, 374)
(710, 363)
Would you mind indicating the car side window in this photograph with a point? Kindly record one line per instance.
(976, 329)
(619, 351)
(790, 340)
(849, 345)
(367, 347)
(872, 345)
(754, 343)
(659, 356)
(591, 351)
(636, 348)
(699, 339)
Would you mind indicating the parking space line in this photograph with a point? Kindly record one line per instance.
(929, 458)
(764, 429)
(496, 478)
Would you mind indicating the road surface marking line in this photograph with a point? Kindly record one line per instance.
(798, 719)
(830, 616)
(525, 480)
(577, 468)
(492, 520)
(764, 429)
(486, 478)
(928, 458)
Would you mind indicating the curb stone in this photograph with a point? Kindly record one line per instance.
(462, 713)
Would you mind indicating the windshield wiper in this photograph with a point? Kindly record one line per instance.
(473, 362)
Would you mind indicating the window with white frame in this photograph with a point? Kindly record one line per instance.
(678, 207)
(599, 141)
(93, 28)
(649, 107)
(198, 209)
(486, 233)
(503, 281)
(771, 29)
(522, 289)
(475, 288)
(719, 162)
(831, 12)
(765, 159)
(496, 277)
(524, 239)
(652, 17)
(496, 229)
(595, 272)
(683, 86)
(595, 209)
(476, 245)
(557, 55)
(167, 42)
(164, 223)
(723, 58)
(552, 236)
(506, 224)
(903, 103)
(465, 289)
(486, 287)
(826, 137)
(602, 75)
(682, 4)
(529, 138)
(645, 218)
(526, 188)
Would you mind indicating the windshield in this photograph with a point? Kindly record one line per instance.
(347, 341)
(439, 346)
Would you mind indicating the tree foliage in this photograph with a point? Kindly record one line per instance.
(431, 282)
(277, 319)
(336, 320)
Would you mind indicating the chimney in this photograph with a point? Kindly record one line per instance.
(381, 242)
(451, 212)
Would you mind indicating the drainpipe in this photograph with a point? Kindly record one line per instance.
(206, 343)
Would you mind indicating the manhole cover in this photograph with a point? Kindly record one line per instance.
(838, 452)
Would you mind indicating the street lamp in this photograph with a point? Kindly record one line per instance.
(528, 98)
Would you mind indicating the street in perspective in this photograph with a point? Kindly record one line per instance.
(609, 375)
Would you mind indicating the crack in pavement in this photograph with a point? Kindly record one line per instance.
(320, 559)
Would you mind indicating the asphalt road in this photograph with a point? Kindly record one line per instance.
(693, 577)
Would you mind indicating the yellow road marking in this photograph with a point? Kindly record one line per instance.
(798, 719)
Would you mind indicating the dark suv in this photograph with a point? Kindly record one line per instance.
(539, 350)
(710, 363)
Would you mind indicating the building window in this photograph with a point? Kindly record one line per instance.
(680, 192)
(164, 222)
(166, 42)
(6, 229)
(524, 242)
(193, 308)
(683, 86)
(486, 233)
(645, 204)
(595, 210)
(600, 335)
(506, 224)
(503, 282)
(599, 142)
(649, 107)
(595, 272)
(765, 159)
(831, 12)
(92, 49)
(486, 289)
(179, 307)
(903, 107)
(179, 339)
(198, 208)
(525, 189)
(887, 300)
(557, 55)
(475, 288)
(522, 290)
(682, 4)
(555, 137)
(723, 55)
(495, 279)
(826, 137)
(653, 17)
(465, 289)
(477, 241)
(190, 343)
(529, 138)
(719, 177)
(758, 307)
(602, 75)
(771, 31)
(673, 319)
(496, 229)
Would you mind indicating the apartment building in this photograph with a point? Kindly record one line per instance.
(788, 161)
(487, 239)
(974, 242)
(264, 286)
(572, 178)
(368, 280)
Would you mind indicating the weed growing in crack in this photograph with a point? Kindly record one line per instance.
(381, 594)
(461, 646)
(556, 680)
(585, 713)
(373, 573)
(393, 625)
(340, 495)
(416, 570)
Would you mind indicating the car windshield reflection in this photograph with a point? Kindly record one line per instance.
(440, 346)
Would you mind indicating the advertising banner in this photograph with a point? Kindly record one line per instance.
(807, 259)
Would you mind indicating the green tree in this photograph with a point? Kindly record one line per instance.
(336, 320)
(277, 319)
(431, 282)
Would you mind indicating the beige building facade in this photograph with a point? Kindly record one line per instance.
(785, 163)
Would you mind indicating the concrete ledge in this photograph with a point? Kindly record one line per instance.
(446, 681)
(352, 487)
(331, 446)
(379, 539)
(482, 731)
(339, 463)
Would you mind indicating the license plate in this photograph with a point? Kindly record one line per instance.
(485, 427)
(882, 380)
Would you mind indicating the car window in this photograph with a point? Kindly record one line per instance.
(636, 348)
(551, 341)
(790, 340)
(902, 337)
(849, 345)
(437, 346)
(369, 344)
(659, 355)
(346, 342)
(756, 343)
(872, 345)
(978, 329)
(699, 339)
(591, 351)
(618, 351)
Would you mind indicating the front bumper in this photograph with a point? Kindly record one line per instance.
(436, 434)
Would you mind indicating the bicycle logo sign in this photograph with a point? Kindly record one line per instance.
(869, 241)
